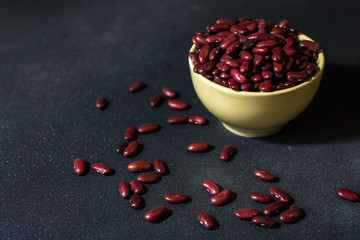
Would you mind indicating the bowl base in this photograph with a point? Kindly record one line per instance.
(253, 132)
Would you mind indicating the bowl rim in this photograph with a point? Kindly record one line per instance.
(320, 64)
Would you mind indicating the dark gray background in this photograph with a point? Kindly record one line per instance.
(57, 57)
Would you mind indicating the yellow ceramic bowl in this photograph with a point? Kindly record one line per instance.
(256, 114)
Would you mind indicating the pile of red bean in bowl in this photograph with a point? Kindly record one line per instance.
(254, 55)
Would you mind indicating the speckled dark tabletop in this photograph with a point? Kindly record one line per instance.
(57, 57)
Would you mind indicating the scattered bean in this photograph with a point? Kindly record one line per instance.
(156, 214)
(101, 168)
(175, 197)
(247, 213)
(222, 198)
(206, 220)
(79, 166)
(348, 194)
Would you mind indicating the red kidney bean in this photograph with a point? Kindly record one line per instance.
(204, 53)
(310, 69)
(245, 67)
(280, 195)
(228, 41)
(224, 33)
(211, 187)
(140, 165)
(238, 76)
(277, 66)
(291, 215)
(267, 44)
(252, 27)
(233, 84)
(223, 67)
(238, 29)
(79, 166)
(121, 147)
(245, 55)
(124, 189)
(148, 177)
(207, 67)
(227, 152)
(264, 36)
(288, 64)
(148, 128)
(135, 201)
(348, 194)
(295, 76)
(285, 85)
(260, 197)
(136, 186)
(302, 66)
(312, 46)
(267, 66)
(249, 44)
(260, 50)
(220, 81)
(276, 30)
(206, 220)
(247, 213)
(233, 49)
(264, 222)
(258, 60)
(177, 104)
(199, 147)
(156, 214)
(137, 86)
(168, 92)
(216, 72)
(225, 75)
(175, 197)
(282, 23)
(130, 133)
(101, 103)
(215, 38)
(101, 168)
(231, 62)
(177, 119)
(289, 51)
(131, 149)
(267, 74)
(247, 86)
(159, 166)
(276, 54)
(266, 86)
(226, 21)
(222, 198)
(264, 175)
(274, 208)
(215, 54)
(156, 100)
(219, 27)
(197, 119)
(256, 78)
(201, 39)
(193, 57)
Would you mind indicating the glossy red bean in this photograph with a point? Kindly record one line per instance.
(238, 76)
(199, 147)
(211, 187)
(175, 197)
(79, 166)
(206, 68)
(258, 60)
(238, 29)
(278, 66)
(245, 67)
(264, 221)
(204, 53)
(222, 198)
(312, 46)
(121, 147)
(224, 75)
(138, 166)
(348, 194)
(310, 69)
(135, 201)
(148, 177)
(168, 92)
(227, 152)
(256, 78)
(177, 104)
(280, 195)
(247, 213)
(137, 86)
(267, 44)
(234, 48)
(159, 166)
(206, 220)
(293, 214)
(148, 128)
(282, 23)
(247, 86)
(156, 214)
(215, 38)
(266, 86)
(101, 168)
(296, 76)
(245, 55)
(136, 186)
(101, 103)
(215, 54)
(131, 149)
(260, 197)
(177, 119)
(219, 27)
(233, 84)
(274, 208)
(264, 175)
(228, 41)
(156, 101)
(285, 85)
(260, 50)
(223, 67)
(231, 62)
(130, 133)
(124, 189)
(197, 119)
(289, 51)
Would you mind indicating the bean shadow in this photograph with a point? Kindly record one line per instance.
(333, 115)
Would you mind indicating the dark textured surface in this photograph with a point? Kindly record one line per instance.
(57, 57)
